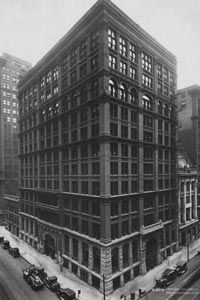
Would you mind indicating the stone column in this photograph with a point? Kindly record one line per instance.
(105, 221)
(106, 269)
(90, 264)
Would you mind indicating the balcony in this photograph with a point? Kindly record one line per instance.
(151, 228)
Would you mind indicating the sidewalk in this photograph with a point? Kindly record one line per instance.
(67, 279)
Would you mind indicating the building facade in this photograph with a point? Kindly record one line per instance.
(11, 217)
(11, 69)
(97, 150)
(188, 101)
(187, 200)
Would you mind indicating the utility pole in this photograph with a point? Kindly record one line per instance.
(104, 290)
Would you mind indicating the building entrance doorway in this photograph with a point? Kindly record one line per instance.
(151, 254)
(49, 245)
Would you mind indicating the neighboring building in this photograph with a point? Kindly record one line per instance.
(187, 200)
(188, 100)
(11, 70)
(97, 150)
(11, 218)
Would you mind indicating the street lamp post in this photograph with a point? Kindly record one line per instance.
(104, 290)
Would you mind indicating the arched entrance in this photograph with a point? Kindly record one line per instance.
(49, 245)
(151, 254)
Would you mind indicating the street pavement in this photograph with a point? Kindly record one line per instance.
(12, 284)
(67, 279)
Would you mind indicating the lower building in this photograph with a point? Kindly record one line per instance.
(187, 201)
(11, 215)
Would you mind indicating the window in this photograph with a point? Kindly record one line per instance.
(95, 168)
(146, 62)
(123, 95)
(159, 71)
(147, 103)
(112, 61)
(95, 130)
(132, 52)
(83, 71)
(114, 149)
(132, 73)
(113, 110)
(166, 74)
(114, 168)
(84, 187)
(124, 113)
(95, 149)
(124, 150)
(112, 88)
(124, 187)
(95, 89)
(133, 96)
(113, 129)
(148, 136)
(94, 40)
(124, 131)
(148, 185)
(114, 187)
(122, 46)
(84, 169)
(112, 40)
(148, 121)
(147, 81)
(123, 67)
(83, 49)
(94, 62)
(124, 168)
(95, 188)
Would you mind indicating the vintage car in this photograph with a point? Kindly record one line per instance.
(167, 278)
(5, 244)
(40, 272)
(14, 252)
(35, 282)
(51, 283)
(181, 267)
(28, 272)
(66, 294)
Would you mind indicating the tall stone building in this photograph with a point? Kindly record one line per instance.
(188, 101)
(97, 150)
(11, 70)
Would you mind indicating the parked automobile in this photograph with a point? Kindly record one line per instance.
(1, 239)
(40, 272)
(14, 252)
(66, 294)
(5, 244)
(35, 282)
(28, 272)
(51, 283)
(181, 268)
(167, 278)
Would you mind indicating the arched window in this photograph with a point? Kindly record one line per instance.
(112, 88)
(166, 110)
(95, 89)
(147, 103)
(133, 96)
(123, 92)
(160, 107)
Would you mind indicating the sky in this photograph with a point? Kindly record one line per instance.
(30, 28)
